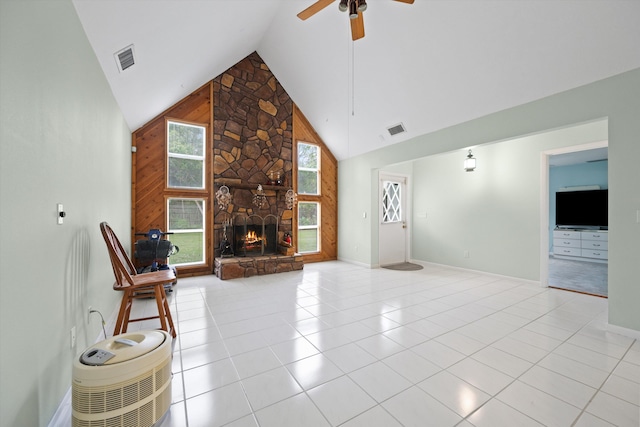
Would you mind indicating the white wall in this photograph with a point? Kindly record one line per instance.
(63, 140)
(616, 98)
(493, 212)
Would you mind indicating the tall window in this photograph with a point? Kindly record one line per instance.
(308, 200)
(187, 222)
(308, 227)
(308, 168)
(186, 155)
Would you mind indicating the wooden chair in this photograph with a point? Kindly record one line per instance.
(134, 285)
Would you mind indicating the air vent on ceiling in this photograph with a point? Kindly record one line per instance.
(125, 58)
(394, 130)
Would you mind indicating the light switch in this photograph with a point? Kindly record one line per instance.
(60, 214)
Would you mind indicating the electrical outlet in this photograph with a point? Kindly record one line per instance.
(73, 337)
(89, 314)
(466, 254)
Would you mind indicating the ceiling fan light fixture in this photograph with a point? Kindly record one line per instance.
(353, 9)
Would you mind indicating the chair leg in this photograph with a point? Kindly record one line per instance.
(166, 321)
(172, 329)
(123, 314)
(160, 297)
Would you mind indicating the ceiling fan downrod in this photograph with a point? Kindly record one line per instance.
(353, 6)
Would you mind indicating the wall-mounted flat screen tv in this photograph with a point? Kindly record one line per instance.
(587, 208)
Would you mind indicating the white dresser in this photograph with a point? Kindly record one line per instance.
(587, 245)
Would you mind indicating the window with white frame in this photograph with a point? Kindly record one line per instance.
(186, 219)
(308, 168)
(308, 227)
(186, 155)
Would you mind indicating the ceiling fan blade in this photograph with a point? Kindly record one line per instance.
(314, 8)
(357, 27)
(406, 1)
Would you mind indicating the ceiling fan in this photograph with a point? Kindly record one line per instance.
(355, 8)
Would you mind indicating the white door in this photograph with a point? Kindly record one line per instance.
(392, 235)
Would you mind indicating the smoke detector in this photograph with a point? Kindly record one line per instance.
(125, 58)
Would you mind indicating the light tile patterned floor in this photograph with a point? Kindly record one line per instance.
(341, 345)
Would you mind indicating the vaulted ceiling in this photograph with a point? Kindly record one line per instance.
(429, 65)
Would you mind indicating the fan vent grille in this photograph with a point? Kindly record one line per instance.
(125, 58)
(97, 402)
(394, 130)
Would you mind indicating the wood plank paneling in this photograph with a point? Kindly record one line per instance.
(304, 132)
(149, 186)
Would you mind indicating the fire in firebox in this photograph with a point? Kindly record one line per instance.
(252, 241)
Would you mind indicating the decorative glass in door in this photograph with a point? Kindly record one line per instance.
(391, 202)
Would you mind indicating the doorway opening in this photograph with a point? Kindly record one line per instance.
(574, 245)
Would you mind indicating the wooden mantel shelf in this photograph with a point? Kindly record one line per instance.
(233, 183)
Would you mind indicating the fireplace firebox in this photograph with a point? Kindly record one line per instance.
(255, 235)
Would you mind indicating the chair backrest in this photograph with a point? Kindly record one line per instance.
(122, 266)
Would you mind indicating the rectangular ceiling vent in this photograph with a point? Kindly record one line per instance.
(125, 58)
(394, 130)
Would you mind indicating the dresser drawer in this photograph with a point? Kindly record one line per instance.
(566, 243)
(594, 235)
(566, 234)
(559, 250)
(591, 253)
(595, 245)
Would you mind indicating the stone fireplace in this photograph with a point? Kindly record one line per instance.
(252, 132)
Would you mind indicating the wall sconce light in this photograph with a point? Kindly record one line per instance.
(469, 162)
(290, 198)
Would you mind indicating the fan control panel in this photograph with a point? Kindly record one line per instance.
(96, 357)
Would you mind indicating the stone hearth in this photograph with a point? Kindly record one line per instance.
(239, 267)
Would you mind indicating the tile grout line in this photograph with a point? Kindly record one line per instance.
(403, 307)
(599, 389)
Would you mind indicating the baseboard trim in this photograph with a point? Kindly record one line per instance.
(469, 270)
(354, 262)
(631, 333)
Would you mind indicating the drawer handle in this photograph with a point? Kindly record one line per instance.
(567, 251)
(567, 243)
(596, 245)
